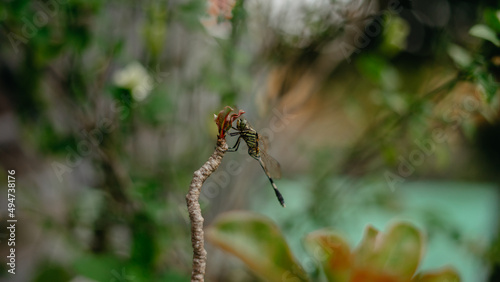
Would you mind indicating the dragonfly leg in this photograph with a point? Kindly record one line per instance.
(234, 133)
(236, 146)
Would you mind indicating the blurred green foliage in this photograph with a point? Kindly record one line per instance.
(121, 165)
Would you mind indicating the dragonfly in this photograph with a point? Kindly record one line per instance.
(257, 150)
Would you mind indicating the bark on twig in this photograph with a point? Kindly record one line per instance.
(197, 235)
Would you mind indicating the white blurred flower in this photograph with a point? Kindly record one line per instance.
(135, 78)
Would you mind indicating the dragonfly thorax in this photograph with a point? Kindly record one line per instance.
(242, 124)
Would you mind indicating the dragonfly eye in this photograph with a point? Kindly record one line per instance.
(243, 123)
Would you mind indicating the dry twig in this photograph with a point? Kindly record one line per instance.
(224, 121)
(197, 235)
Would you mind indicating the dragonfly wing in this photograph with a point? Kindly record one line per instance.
(263, 142)
(271, 165)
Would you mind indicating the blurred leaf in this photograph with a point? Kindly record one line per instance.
(258, 242)
(396, 31)
(132, 272)
(155, 29)
(191, 12)
(492, 19)
(51, 272)
(77, 36)
(50, 141)
(157, 108)
(486, 82)
(332, 251)
(378, 70)
(389, 153)
(459, 55)
(444, 275)
(124, 98)
(397, 252)
(98, 267)
(365, 249)
(396, 101)
(402, 249)
(486, 33)
(143, 252)
(175, 277)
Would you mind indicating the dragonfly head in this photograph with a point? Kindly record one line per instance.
(241, 124)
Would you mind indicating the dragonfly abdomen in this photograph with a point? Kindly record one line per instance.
(276, 191)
